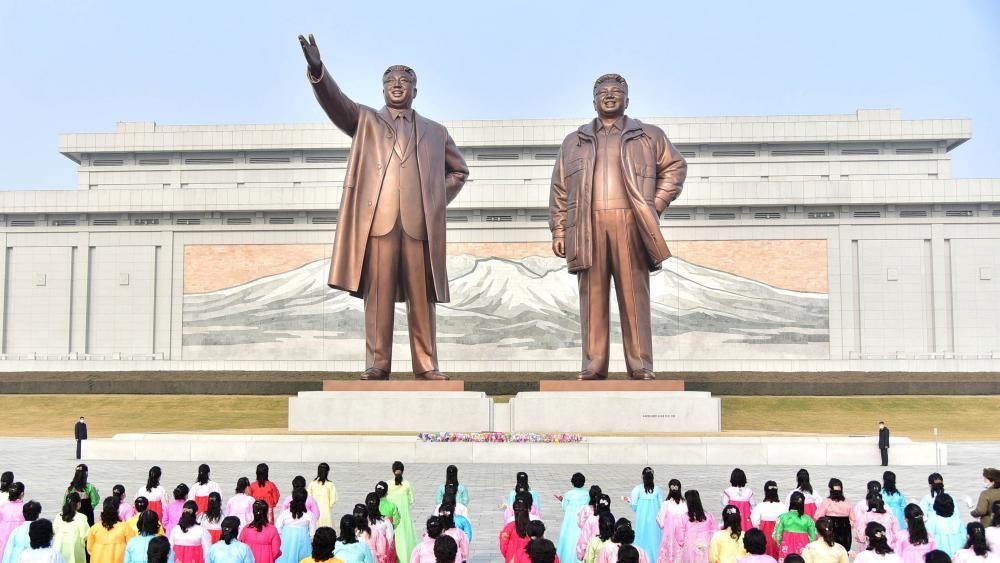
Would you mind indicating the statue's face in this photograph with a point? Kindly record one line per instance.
(399, 89)
(610, 99)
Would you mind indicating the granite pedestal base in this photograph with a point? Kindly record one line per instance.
(390, 411)
(616, 411)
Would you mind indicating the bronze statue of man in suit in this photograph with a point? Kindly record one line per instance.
(614, 177)
(390, 243)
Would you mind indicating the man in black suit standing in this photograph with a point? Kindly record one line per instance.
(81, 434)
(883, 442)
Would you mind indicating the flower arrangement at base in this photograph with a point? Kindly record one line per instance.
(500, 437)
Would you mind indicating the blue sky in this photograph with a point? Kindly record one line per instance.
(81, 66)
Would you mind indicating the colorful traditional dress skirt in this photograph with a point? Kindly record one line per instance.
(792, 542)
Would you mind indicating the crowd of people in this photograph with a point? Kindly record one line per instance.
(193, 524)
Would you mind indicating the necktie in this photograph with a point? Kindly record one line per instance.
(402, 134)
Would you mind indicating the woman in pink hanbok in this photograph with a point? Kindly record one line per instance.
(876, 513)
(811, 499)
(240, 505)
(877, 549)
(913, 543)
(622, 539)
(977, 550)
(672, 513)
(12, 513)
(591, 526)
(695, 532)
(381, 525)
(372, 535)
(861, 506)
(588, 511)
(739, 495)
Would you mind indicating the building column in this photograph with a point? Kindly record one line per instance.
(79, 313)
(944, 330)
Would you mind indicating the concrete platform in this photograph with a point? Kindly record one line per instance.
(394, 385)
(390, 411)
(709, 450)
(616, 412)
(610, 385)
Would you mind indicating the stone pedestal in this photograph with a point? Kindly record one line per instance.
(393, 385)
(616, 412)
(610, 385)
(408, 411)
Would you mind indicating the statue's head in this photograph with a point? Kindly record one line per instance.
(610, 95)
(399, 86)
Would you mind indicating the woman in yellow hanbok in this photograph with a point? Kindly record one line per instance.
(107, 538)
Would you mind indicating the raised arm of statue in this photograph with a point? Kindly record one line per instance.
(343, 111)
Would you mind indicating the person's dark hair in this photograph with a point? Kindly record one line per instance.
(348, 529)
(889, 482)
(242, 484)
(263, 471)
(181, 491)
(802, 481)
(323, 472)
(15, 491)
(148, 523)
(875, 503)
(797, 502)
(118, 491)
(230, 529)
(836, 490)
(755, 542)
(914, 517)
(153, 479)
(794, 558)
(203, 474)
(189, 516)
(602, 505)
(6, 480)
(605, 526)
(541, 550)
(141, 503)
(738, 478)
(433, 527)
(976, 539)
(398, 477)
(109, 513)
(31, 511)
(451, 476)
(647, 480)
(578, 480)
(381, 489)
(361, 518)
(877, 540)
(628, 554)
(674, 492)
(995, 512)
(536, 529)
(992, 474)
(624, 534)
(944, 505)
(213, 512)
(445, 549)
(824, 528)
(771, 492)
(298, 482)
(323, 543)
(936, 556)
(80, 475)
(298, 505)
(158, 550)
(40, 533)
(521, 514)
(69, 507)
(521, 479)
(371, 503)
(696, 512)
(874, 487)
(731, 521)
(936, 482)
(260, 510)
(595, 493)
(446, 512)
(521, 492)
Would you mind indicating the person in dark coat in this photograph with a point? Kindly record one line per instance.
(80, 431)
(883, 442)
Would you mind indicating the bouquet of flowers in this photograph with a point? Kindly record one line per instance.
(500, 437)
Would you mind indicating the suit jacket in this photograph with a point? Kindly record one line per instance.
(80, 430)
(883, 437)
(653, 171)
(442, 174)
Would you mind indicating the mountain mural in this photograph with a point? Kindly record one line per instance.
(507, 304)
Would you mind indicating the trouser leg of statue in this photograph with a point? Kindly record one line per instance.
(618, 254)
(397, 261)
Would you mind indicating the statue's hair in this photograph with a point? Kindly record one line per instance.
(609, 78)
(401, 68)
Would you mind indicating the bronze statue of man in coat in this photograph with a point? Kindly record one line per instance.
(614, 177)
(403, 171)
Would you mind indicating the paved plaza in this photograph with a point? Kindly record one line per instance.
(46, 467)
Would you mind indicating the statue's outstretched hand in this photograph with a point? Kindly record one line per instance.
(311, 51)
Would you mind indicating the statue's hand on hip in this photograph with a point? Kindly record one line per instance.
(311, 52)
